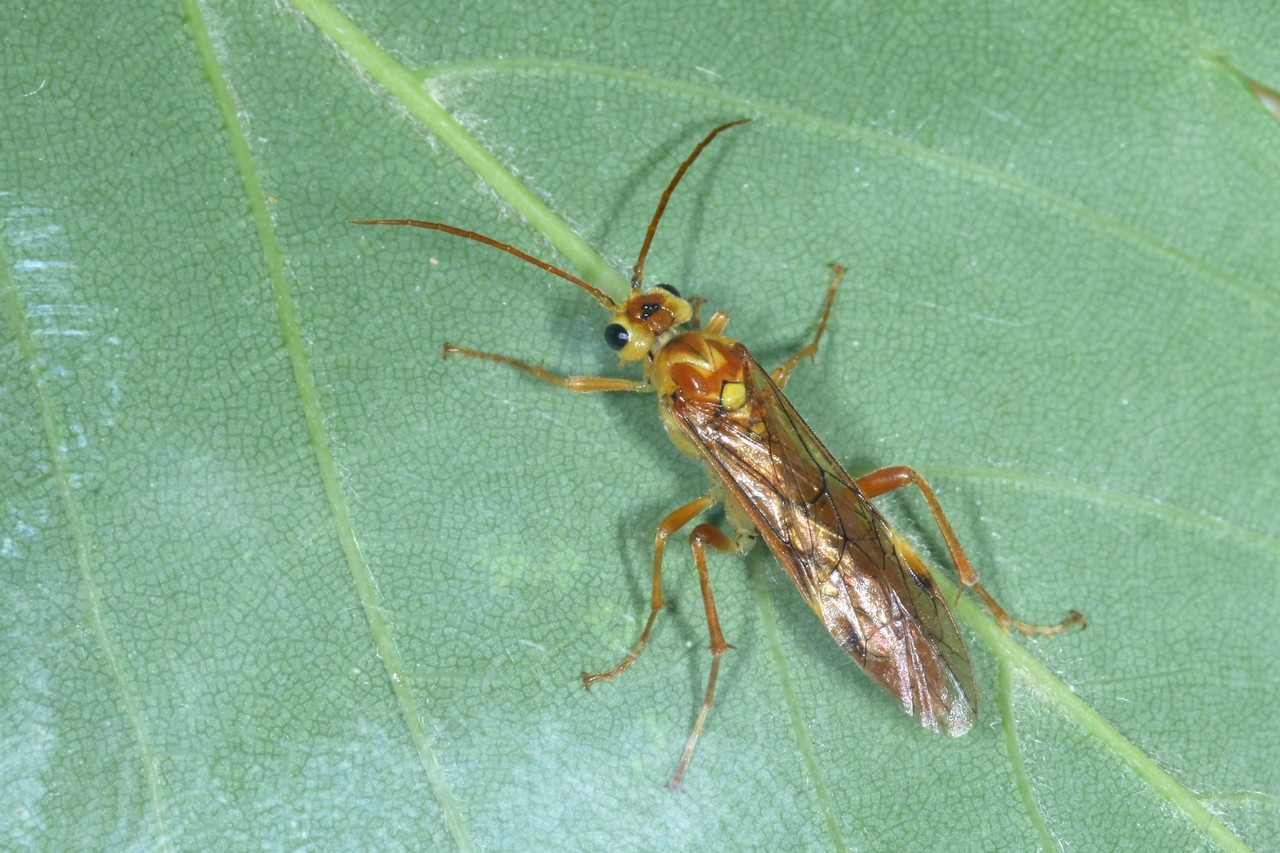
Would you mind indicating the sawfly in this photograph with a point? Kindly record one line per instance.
(778, 482)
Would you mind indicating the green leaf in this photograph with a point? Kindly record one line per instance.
(277, 575)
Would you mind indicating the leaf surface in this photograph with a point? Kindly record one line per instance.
(277, 575)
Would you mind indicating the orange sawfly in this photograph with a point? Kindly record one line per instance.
(777, 481)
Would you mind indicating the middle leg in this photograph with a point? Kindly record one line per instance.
(669, 525)
(707, 536)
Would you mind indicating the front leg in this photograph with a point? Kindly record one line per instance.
(581, 384)
(783, 372)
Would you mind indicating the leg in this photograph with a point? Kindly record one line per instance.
(894, 477)
(669, 525)
(704, 536)
(783, 373)
(696, 303)
(569, 383)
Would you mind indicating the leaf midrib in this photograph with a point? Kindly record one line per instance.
(1146, 242)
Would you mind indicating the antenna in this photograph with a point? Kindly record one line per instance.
(637, 273)
(599, 294)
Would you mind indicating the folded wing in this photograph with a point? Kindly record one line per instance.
(866, 584)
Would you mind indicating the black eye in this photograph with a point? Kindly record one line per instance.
(648, 309)
(669, 289)
(616, 336)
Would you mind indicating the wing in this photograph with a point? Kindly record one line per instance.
(867, 585)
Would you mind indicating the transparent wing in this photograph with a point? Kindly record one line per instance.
(866, 584)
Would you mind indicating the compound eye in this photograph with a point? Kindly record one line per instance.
(616, 336)
(669, 289)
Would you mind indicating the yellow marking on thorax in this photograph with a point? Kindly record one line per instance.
(701, 369)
